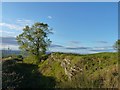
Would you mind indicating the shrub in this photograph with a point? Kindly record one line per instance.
(31, 59)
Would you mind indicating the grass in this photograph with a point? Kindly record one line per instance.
(23, 75)
(99, 71)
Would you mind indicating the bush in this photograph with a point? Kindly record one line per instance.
(20, 56)
(22, 75)
(31, 59)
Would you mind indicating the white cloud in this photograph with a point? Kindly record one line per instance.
(49, 17)
(11, 26)
(24, 22)
(103, 48)
(5, 46)
(7, 33)
(2, 31)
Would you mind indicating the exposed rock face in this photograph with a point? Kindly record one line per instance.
(67, 65)
(70, 70)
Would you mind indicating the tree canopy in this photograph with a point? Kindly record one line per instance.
(117, 45)
(34, 39)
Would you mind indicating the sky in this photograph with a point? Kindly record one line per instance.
(60, 0)
(78, 27)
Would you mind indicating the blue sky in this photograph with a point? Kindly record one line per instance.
(78, 27)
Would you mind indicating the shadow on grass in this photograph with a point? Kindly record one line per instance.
(22, 75)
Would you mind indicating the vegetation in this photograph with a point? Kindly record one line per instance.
(117, 45)
(34, 40)
(23, 75)
(87, 71)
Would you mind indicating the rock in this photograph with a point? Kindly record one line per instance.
(70, 71)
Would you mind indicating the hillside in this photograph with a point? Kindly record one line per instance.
(61, 70)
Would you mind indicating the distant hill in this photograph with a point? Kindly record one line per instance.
(6, 53)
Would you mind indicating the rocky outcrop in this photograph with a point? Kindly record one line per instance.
(70, 69)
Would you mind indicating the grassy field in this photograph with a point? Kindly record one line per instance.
(60, 70)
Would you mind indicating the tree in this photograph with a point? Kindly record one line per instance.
(34, 40)
(117, 45)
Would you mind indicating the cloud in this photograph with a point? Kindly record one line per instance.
(11, 26)
(24, 21)
(49, 17)
(77, 48)
(74, 42)
(8, 40)
(89, 50)
(56, 46)
(13, 47)
(103, 42)
(12, 43)
(2, 31)
(102, 49)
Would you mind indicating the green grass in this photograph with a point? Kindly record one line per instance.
(52, 68)
(23, 75)
(99, 71)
